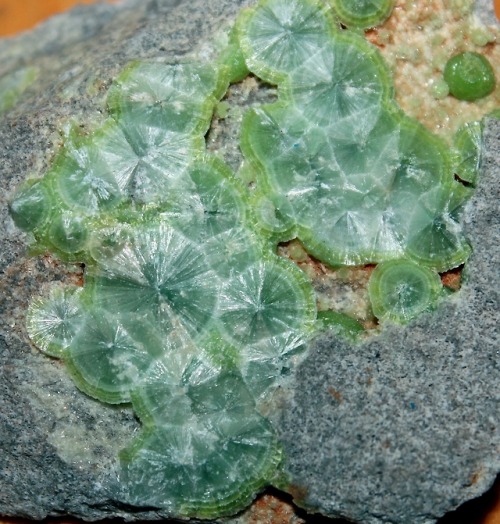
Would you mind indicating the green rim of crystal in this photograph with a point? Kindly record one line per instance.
(340, 324)
(262, 49)
(400, 290)
(467, 146)
(363, 14)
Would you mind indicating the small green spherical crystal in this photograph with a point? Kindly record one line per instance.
(400, 290)
(469, 76)
(440, 89)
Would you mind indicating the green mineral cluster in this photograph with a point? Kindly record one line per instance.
(345, 171)
(187, 312)
(183, 312)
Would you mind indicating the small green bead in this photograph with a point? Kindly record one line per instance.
(469, 76)
(440, 89)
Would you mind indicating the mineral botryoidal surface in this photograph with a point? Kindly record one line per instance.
(211, 366)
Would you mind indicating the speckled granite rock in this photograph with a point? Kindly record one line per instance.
(407, 422)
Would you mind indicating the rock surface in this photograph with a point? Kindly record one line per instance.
(408, 421)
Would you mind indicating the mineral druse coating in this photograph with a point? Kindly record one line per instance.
(186, 311)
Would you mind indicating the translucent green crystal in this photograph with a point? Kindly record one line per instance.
(54, 321)
(107, 357)
(83, 177)
(158, 271)
(467, 148)
(400, 290)
(469, 76)
(338, 165)
(67, 232)
(278, 36)
(31, 205)
(341, 85)
(210, 439)
(262, 302)
(180, 95)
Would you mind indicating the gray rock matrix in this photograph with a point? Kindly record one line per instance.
(400, 429)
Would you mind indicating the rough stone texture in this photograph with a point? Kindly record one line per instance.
(485, 11)
(398, 430)
(405, 426)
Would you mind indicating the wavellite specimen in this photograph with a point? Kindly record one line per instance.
(344, 169)
(186, 312)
